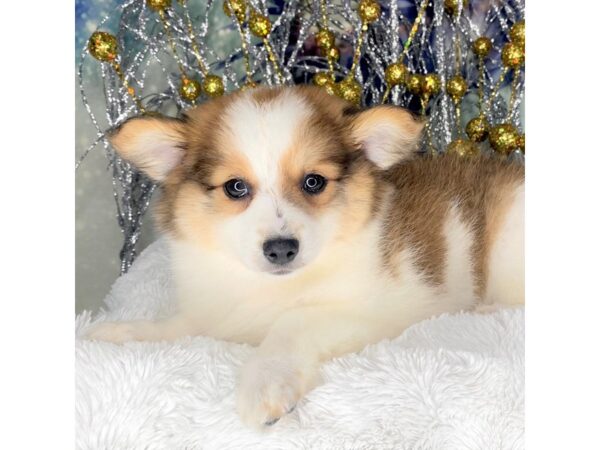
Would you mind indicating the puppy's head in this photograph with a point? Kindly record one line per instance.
(268, 177)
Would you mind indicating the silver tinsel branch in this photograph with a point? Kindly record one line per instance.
(442, 45)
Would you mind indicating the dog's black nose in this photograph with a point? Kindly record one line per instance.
(281, 251)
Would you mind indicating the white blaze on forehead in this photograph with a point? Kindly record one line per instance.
(263, 132)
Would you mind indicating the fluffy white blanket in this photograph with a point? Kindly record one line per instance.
(453, 382)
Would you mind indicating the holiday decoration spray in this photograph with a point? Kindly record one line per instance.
(458, 63)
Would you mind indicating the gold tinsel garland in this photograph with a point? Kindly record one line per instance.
(349, 89)
(103, 46)
(396, 73)
(503, 137)
(236, 10)
(325, 40)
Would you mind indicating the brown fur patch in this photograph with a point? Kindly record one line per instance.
(424, 191)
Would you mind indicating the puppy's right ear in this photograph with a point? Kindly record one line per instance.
(387, 134)
(153, 144)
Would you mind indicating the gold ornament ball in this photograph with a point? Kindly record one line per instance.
(517, 34)
(190, 89)
(158, 5)
(103, 46)
(259, 25)
(333, 53)
(456, 88)
(326, 81)
(395, 74)
(413, 83)
(349, 90)
(321, 79)
(513, 55)
(504, 138)
(430, 84)
(369, 11)
(462, 148)
(325, 39)
(213, 86)
(451, 6)
(238, 7)
(482, 46)
(478, 129)
(330, 87)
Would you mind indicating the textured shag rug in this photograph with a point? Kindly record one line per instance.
(452, 382)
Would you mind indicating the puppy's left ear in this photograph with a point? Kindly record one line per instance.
(387, 134)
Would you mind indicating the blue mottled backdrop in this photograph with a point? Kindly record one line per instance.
(98, 238)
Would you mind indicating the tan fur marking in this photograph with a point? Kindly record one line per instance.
(194, 216)
(232, 163)
(309, 154)
(320, 145)
(363, 198)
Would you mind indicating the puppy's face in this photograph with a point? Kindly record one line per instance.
(268, 177)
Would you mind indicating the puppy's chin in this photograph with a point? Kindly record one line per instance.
(276, 271)
(281, 272)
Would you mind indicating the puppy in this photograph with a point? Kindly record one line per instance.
(310, 229)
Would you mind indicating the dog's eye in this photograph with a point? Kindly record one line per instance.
(236, 188)
(313, 183)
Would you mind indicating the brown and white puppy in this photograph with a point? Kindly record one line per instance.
(307, 228)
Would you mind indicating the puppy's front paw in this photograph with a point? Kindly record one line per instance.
(115, 332)
(270, 387)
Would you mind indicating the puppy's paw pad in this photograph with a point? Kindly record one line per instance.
(115, 332)
(270, 388)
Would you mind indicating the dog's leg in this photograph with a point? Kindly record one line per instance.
(141, 330)
(286, 364)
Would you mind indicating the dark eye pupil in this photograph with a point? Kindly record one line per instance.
(313, 184)
(236, 188)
